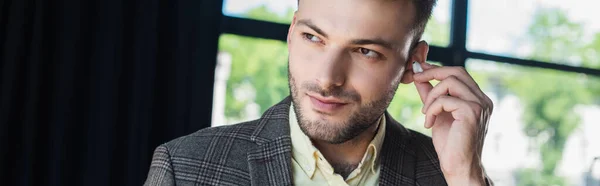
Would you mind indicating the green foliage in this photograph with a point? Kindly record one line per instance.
(406, 108)
(550, 96)
(248, 74)
(591, 53)
(532, 177)
(250, 56)
(263, 13)
(555, 37)
(591, 57)
(437, 33)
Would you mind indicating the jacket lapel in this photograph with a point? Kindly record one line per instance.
(270, 162)
(397, 155)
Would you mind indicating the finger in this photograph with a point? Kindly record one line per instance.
(427, 66)
(452, 86)
(429, 120)
(423, 88)
(443, 73)
(433, 72)
(461, 110)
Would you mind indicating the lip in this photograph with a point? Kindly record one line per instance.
(326, 105)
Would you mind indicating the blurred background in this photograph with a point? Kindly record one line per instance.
(90, 88)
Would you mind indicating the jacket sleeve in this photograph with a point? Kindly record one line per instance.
(161, 169)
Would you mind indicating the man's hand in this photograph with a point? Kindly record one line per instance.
(457, 111)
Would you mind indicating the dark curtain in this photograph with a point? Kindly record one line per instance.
(89, 88)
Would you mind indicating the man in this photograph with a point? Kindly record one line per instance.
(346, 59)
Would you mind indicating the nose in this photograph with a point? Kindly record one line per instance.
(332, 71)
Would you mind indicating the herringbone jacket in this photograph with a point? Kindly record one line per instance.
(259, 153)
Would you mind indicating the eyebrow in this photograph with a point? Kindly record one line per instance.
(374, 41)
(309, 23)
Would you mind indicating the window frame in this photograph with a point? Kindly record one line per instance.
(455, 54)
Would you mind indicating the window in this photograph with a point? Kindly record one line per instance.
(241, 72)
(279, 11)
(543, 123)
(437, 31)
(282, 11)
(564, 32)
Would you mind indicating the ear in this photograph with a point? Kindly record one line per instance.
(418, 54)
(291, 29)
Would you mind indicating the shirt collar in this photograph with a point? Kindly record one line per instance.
(305, 153)
(302, 149)
(377, 143)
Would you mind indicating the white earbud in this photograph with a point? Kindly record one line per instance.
(417, 67)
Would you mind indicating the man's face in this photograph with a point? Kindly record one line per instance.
(346, 61)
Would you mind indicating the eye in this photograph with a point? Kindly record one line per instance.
(369, 53)
(311, 38)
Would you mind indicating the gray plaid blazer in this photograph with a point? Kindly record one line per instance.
(259, 153)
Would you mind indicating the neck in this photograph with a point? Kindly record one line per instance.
(346, 156)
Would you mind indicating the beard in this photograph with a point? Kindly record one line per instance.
(358, 121)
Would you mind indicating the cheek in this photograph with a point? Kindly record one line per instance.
(301, 61)
(374, 85)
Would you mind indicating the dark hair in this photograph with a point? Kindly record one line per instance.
(423, 10)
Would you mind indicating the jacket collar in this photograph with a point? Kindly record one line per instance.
(397, 168)
(270, 161)
(273, 124)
